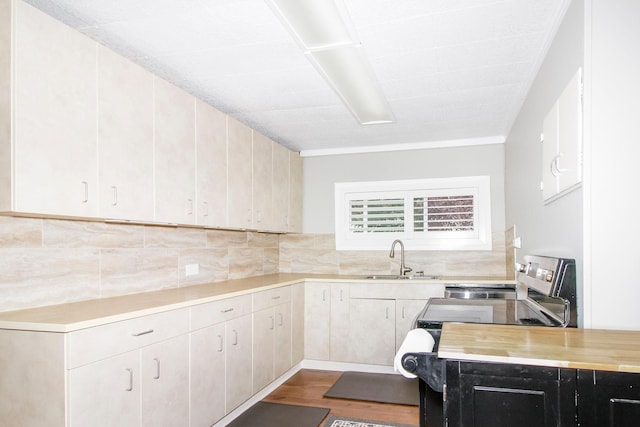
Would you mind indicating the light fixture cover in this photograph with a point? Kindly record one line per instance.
(348, 72)
(324, 31)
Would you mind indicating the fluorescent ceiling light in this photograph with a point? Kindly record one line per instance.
(348, 72)
(323, 29)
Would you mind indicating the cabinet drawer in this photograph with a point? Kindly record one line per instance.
(203, 315)
(92, 344)
(271, 298)
(396, 290)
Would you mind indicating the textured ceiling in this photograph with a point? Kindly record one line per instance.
(450, 69)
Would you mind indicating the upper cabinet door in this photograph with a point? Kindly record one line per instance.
(174, 154)
(295, 193)
(211, 182)
(240, 164)
(262, 182)
(280, 188)
(125, 138)
(55, 117)
(562, 142)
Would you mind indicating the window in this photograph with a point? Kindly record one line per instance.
(427, 214)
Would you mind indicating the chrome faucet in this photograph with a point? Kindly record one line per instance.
(403, 269)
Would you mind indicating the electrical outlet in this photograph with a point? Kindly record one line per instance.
(191, 269)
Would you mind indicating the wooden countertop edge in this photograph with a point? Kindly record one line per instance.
(574, 348)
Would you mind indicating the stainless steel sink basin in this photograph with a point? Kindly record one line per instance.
(399, 277)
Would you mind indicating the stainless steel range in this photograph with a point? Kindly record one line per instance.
(544, 295)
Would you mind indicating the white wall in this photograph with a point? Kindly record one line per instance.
(612, 229)
(554, 229)
(320, 174)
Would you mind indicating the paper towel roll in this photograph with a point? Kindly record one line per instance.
(416, 341)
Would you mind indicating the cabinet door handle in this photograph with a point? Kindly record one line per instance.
(281, 319)
(115, 195)
(235, 337)
(340, 294)
(130, 388)
(137, 334)
(85, 184)
(403, 311)
(556, 170)
(157, 375)
(189, 206)
(206, 209)
(220, 342)
(273, 324)
(324, 295)
(386, 313)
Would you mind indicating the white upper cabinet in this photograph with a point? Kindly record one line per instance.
(239, 175)
(280, 195)
(54, 138)
(562, 142)
(87, 133)
(174, 154)
(295, 193)
(262, 182)
(125, 138)
(211, 183)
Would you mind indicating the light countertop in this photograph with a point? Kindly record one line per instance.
(83, 314)
(606, 350)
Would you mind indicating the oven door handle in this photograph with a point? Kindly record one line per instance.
(428, 367)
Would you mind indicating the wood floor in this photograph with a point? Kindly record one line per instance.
(307, 387)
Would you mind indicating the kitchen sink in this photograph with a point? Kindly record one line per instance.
(399, 277)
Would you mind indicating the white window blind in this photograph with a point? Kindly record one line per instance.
(452, 213)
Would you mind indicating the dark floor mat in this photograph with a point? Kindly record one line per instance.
(264, 414)
(385, 388)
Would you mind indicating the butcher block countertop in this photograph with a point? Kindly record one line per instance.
(84, 314)
(597, 349)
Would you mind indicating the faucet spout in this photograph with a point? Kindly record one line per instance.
(403, 269)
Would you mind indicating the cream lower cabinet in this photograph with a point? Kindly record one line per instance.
(106, 393)
(220, 358)
(297, 323)
(147, 387)
(361, 322)
(317, 321)
(133, 372)
(372, 331)
(272, 339)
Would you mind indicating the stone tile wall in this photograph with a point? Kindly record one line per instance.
(316, 253)
(46, 261)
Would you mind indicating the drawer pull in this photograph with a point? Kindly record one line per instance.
(157, 375)
(276, 297)
(228, 310)
(130, 388)
(137, 334)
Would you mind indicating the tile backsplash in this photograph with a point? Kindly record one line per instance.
(50, 261)
(316, 253)
(47, 261)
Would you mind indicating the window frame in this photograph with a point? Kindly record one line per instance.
(478, 239)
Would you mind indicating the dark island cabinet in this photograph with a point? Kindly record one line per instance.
(493, 394)
(608, 399)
